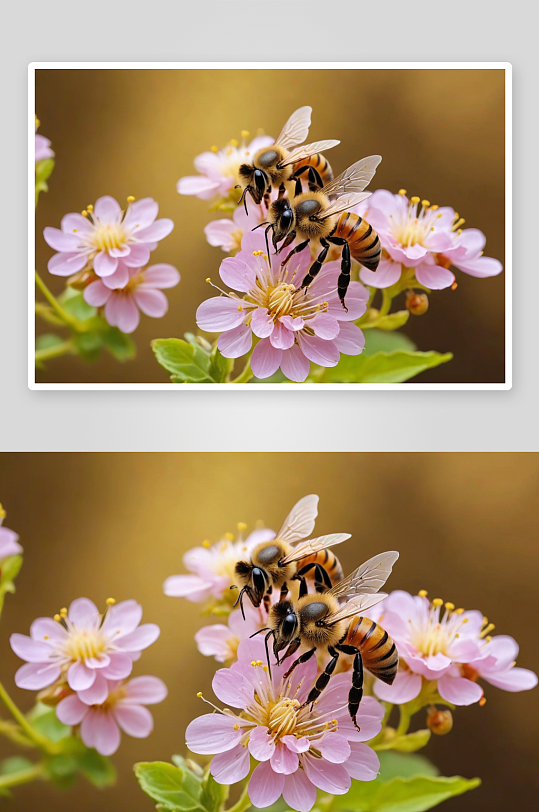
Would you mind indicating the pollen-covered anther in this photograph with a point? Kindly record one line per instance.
(482, 701)
(242, 527)
(402, 192)
(422, 592)
(283, 717)
(245, 133)
(199, 694)
(229, 536)
(437, 602)
(449, 606)
(130, 199)
(454, 286)
(110, 601)
(280, 300)
(206, 544)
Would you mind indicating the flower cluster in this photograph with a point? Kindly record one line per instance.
(83, 659)
(42, 146)
(9, 540)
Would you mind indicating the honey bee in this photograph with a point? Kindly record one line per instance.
(315, 216)
(274, 563)
(272, 166)
(322, 623)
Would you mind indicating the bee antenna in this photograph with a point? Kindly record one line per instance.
(266, 235)
(259, 632)
(260, 225)
(243, 198)
(233, 586)
(266, 638)
(240, 601)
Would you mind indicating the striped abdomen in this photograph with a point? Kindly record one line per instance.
(320, 164)
(378, 651)
(329, 561)
(362, 239)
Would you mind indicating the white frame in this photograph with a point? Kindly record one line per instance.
(506, 66)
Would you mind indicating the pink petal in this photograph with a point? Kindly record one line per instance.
(120, 252)
(265, 785)
(35, 676)
(134, 720)
(232, 766)
(30, 650)
(514, 679)
(197, 185)
(151, 301)
(292, 323)
(157, 231)
(84, 614)
(96, 693)
(145, 690)
(409, 256)
(74, 222)
(107, 209)
(236, 342)
(284, 760)
(139, 639)
(265, 359)
(123, 617)
(138, 256)
(71, 711)
(326, 776)
(122, 312)
(212, 641)
(319, 351)
(325, 326)
(480, 267)
(300, 745)
(387, 274)
(281, 337)
(66, 264)
(295, 365)
(334, 748)
(298, 792)
(118, 279)
(162, 275)
(232, 688)
(237, 273)
(504, 649)
(350, 340)
(219, 234)
(96, 294)
(262, 323)
(219, 313)
(99, 730)
(119, 667)
(434, 276)
(141, 213)
(363, 764)
(104, 264)
(185, 586)
(261, 744)
(80, 677)
(44, 627)
(61, 241)
(212, 733)
(459, 691)
(405, 688)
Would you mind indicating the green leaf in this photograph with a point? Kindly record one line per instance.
(88, 345)
(98, 769)
(62, 769)
(213, 795)
(48, 340)
(390, 322)
(394, 367)
(120, 345)
(187, 363)
(414, 794)
(398, 765)
(220, 367)
(45, 721)
(43, 172)
(73, 302)
(412, 742)
(15, 764)
(383, 341)
(8, 572)
(173, 787)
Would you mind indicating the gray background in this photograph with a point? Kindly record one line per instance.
(189, 420)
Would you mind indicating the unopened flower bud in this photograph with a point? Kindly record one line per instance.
(417, 303)
(440, 722)
(194, 767)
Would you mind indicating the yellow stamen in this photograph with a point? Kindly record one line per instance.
(242, 526)
(425, 203)
(38, 122)
(229, 536)
(206, 543)
(402, 191)
(422, 593)
(213, 149)
(245, 133)
(63, 611)
(414, 199)
(437, 602)
(57, 618)
(208, 279)
(236, 726)
(90, 208)
(199, 694)
(130, 199)
(46, 637)
(482, 701)
(459, 611)
(3, 513)
(449, 606)
(454, 286)
(84, 213)
(434, 208)
(110, 601)
(234, 142)
(240, 308)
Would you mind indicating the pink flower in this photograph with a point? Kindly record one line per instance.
(426, 238)
(219, 169)
(228, 234)
(297, 750)
(105, 235)
(212, 567)
(295, 325)
(9, 540)
(100, 723)
(437, 642)
(84, 647)
(221, 641)
(43, 144)
(129, 290)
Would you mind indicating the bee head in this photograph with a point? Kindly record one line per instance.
(256, 181)
(284, 620)
(282, 218)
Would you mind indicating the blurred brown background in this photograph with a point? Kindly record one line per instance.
(135, 132)
(118, 524)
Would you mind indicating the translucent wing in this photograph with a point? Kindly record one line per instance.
(353, 179)
(343, 203)
(356, 606)
(300, 521)
(296, 128)
(368, 578)
(314, 546)
(307, 150)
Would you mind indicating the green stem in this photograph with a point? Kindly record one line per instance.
(55, 351)
(33, 735)
(246, 374)
(243, 803)
(14, 733)
(404, 721)
(72, 322)
(386, 302)
(22, 777)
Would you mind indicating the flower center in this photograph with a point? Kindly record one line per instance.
(110, 235)
(281, 299)
(283, 717)
(85, 645)
(434, 634)
(413, 224)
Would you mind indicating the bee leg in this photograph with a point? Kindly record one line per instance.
(267, 604)
(356, 691)
(295, 250)
(315, 181)
(344, 276)
(294, 645)
(323, 679)
(317, 264)
(295, 177)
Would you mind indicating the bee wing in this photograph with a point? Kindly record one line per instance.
(343, 203)
(353, 179)
(354, 607)
(300, 521)
(296, 128)
(314, 546)
(368, 578)
(307, 150)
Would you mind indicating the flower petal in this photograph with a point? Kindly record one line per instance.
(66, 264)
(122, 312)
(75, 222)
(35, 676)
(197, 185)
(294, 364)
(30, 650)
(138, 256)
(80, 677)
(350, 340)
(145, 691)
(45, 627)
(104, 264)
(61, 241)
(298, 792)
(262, 323)
(459, 691)
(162, 275)
(135, 720)
(232, 688)
(99, 730)
(219, 234)
(261, 744)
(406, 687)
(212, 733)
(434, 276)
(186, 586)
(265, 785)
(334, 748)
(363, 764)
(265, 359)
(387, 274)
(96, 294)
(326, 776)
(480, 267)
(281, 337)
(284, 760)
(325, 325)
(237, 273)
(236, 342)
(219, 313)
(107, 209)
(151, 301)
(156, 231)
(84, 614)
(117, 280)
(318, 350)
(119, 667)
(71, 711)
(514, 679)
(139, 639)
(232, 766)
(141, 212)
(96, 693)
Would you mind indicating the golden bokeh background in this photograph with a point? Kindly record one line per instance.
(466, 526)
(135, 132)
